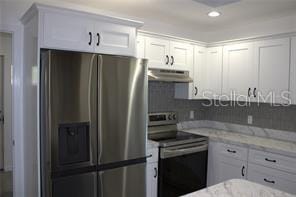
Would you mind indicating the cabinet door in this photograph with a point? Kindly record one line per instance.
(272, 57)
(273, 178)
(213, 74)
(221, 167)
(67, 32)
(181, 56)
(199, 72)
(157, 52)
(110, 38)
(293, 71)
(152, 176)
(140, 47)
(240, 74)
(229, 168)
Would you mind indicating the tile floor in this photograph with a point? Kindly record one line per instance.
(5, 184)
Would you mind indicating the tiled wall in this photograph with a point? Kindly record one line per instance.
(161, 98)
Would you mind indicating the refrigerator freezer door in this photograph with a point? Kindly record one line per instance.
(122, 108)
(127, 181)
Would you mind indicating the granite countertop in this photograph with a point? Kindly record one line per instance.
(267, 144)
(239, 188)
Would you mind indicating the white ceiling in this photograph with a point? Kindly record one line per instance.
(193, 14)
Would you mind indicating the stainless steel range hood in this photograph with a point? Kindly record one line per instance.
(169, 75)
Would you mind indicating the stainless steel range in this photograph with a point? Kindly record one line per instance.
(182, 158)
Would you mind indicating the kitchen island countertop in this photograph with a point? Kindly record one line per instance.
(239, 188)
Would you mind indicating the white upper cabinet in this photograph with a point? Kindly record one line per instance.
(166, 54)
(157, 52)
(272, 59)
(64, 31)
(239, 72)
(181, 56)
(293, 71)
(213, 73)
(75, 30)
(199, 71)
(114, 39)
(140, 47)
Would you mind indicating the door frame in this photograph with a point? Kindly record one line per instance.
(17, 107)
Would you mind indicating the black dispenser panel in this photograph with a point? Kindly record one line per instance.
(74, 143)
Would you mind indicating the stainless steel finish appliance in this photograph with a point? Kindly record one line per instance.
(182, 158)
(93, 125)
(155, 74)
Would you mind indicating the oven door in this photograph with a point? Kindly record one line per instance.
(182, 169)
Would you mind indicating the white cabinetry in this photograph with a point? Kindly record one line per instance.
(213, 73)
(226, 162)
(272, 60)
(239, 72)
(157, 52)
(152, 172)
(140, 47)
(166, 54)
(66, 29)
(199, 72)
(293, 71)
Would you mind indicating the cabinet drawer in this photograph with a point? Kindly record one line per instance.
(233, 151)
(152, 155)
(272, 160)
(273, 178)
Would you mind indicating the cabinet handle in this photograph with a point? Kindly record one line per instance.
(231, 151)
(243, 171)
(167, 59)
(90, 38)
(99, 39)
(173, 60)
(270, 160)
(249, 92)
(254, 92)
(196, 91)
(268, 181)
(155, 172)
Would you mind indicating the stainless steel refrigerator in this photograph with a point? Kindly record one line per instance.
(93, 125)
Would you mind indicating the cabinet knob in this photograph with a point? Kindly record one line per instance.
(196, 90)
(269, 181)
(254, 92)
(173, 60)
(99, 39)
(167, 59)
(270, 160)
(243, 171)
(231, 151)
(155, 172)
(90, 38)
(249, 92)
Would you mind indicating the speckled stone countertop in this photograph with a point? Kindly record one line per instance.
(238, 188)
(266, 142)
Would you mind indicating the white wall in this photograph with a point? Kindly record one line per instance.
(260, 28)
(6, 50)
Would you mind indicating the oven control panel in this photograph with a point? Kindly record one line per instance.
(166, 118)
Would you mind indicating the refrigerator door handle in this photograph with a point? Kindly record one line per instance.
(100, 146)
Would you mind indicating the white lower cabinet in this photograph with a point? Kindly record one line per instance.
(222, 167)
(152, 173)
(273, 178)
(227, 161)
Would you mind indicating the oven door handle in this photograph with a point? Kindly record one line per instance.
(167, 153)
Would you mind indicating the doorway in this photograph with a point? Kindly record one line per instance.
(6, 145)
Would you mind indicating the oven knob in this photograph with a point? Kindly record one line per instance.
(170, 117)
(174, 117)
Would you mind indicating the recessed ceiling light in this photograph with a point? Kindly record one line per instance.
(214, 14)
